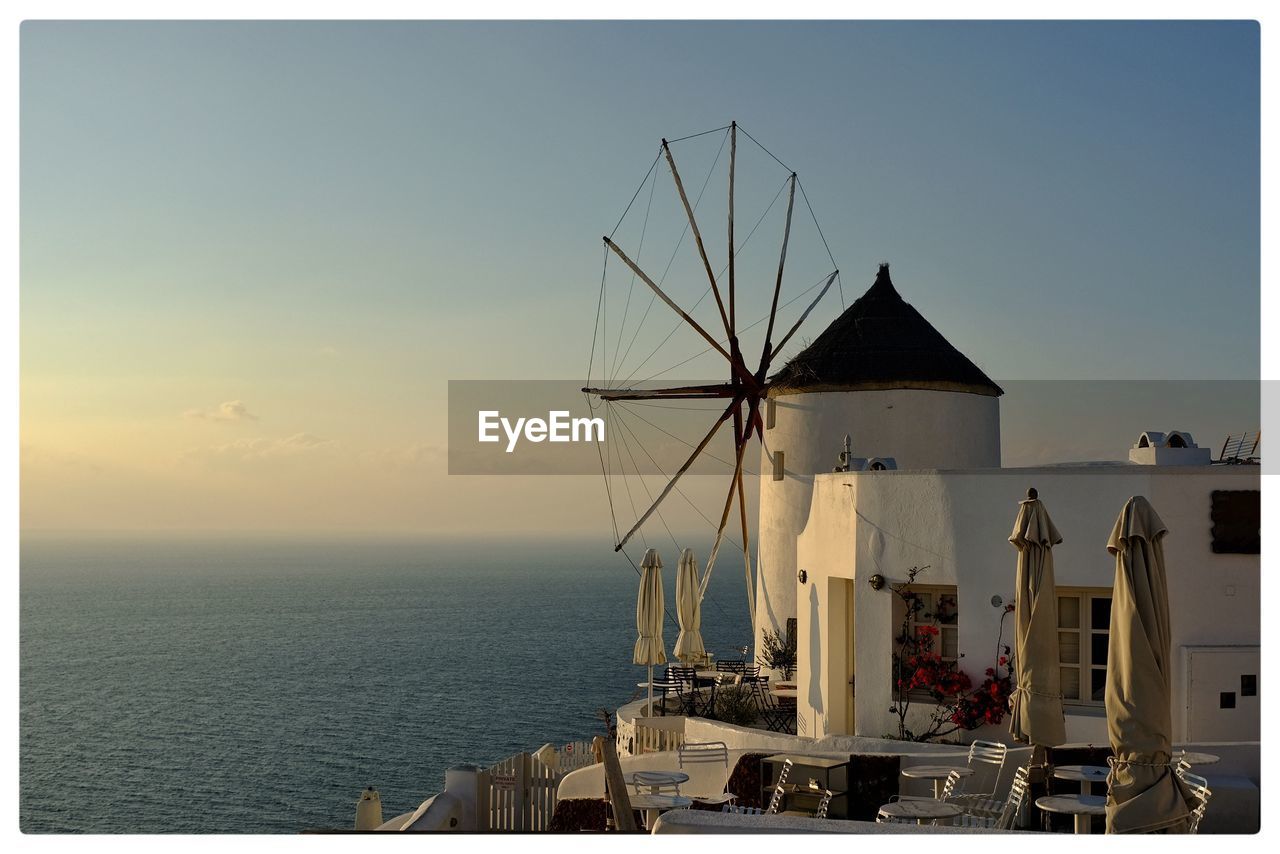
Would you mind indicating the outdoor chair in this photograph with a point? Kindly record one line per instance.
(691, 700)
(824, 804)
(662, 688)
(740, 810)
(644, 782)
(780, 790)
(883, 817)
(1199, 787)
(776, 717)
(731, 666)
(1009, 808)
(710, 752)
(824, 801)
(990, 754)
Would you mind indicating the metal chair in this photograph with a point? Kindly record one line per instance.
(1199, 787)
(713, 752)
(644, 782)
(992, 755)
(741, 810)
(780, 791)
(731, 666)
(1009, 808)
(824, 804)
(691, 701)
(662, 688)
(777, 718)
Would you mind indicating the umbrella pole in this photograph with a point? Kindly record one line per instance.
(650, 691)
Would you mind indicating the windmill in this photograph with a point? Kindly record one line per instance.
(745, 386)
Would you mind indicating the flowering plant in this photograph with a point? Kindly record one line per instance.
(920, 670)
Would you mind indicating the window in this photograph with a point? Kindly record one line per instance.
(1084, 631)
(938, 610)
(778, 467)
(1237, 521)
(770, 414)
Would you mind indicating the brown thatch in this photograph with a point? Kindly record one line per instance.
(881, 342)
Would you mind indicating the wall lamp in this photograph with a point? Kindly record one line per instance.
(803, 576)
(876, 581)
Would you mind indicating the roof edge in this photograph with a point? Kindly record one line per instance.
(785, 388)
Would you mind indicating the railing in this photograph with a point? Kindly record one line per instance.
(626, 738)
(654, 735)
(519, 793)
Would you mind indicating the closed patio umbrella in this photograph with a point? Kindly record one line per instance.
(1143, 793)
(688, 646)
(1036, 704)
(649, 612)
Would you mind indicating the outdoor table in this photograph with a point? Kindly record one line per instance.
(654, 805)
(1195, 758)
(1083, 807)
(921, 811)
(937, 773)
(713, 675)
(1085, 775)
(785, 693)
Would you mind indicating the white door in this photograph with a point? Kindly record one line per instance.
(1222, 693)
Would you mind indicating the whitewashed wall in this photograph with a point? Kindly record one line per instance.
(958, 524)
(921, 429)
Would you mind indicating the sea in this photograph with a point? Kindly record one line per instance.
(258, 684)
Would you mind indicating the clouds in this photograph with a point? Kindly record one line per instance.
(264, 449)
(227, 411)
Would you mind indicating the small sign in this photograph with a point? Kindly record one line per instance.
(504, 781)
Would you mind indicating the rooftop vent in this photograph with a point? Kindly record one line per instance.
(1175, 448)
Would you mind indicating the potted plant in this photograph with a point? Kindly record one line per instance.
(778, 652)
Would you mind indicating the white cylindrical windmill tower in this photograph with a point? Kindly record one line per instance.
(883, 375)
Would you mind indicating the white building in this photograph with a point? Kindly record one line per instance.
(884, 376)
(828, 540)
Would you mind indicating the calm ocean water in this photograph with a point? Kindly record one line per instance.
(257, 685)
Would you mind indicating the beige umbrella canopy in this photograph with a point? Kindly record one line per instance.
(688, 646)
(1036, 704)
(649, 612)
(1143, 793)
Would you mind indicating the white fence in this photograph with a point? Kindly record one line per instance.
(650, 735)
(518, 794)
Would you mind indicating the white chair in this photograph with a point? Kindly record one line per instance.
(740, 810)
(1009, 808)
(709, 752)
(1199, 787)
(990, 754)
(779, 791)
(645, 782)
(824, 803)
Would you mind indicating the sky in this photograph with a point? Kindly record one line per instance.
(253, 254)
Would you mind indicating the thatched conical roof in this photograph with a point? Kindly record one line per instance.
(881, 342)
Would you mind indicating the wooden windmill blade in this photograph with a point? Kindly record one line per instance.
(744, 389)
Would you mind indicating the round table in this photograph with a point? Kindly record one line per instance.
(1085, 775)
(937, 773)
(921, 811)
(1083, 807)
(654, 805)
(1194, 758)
